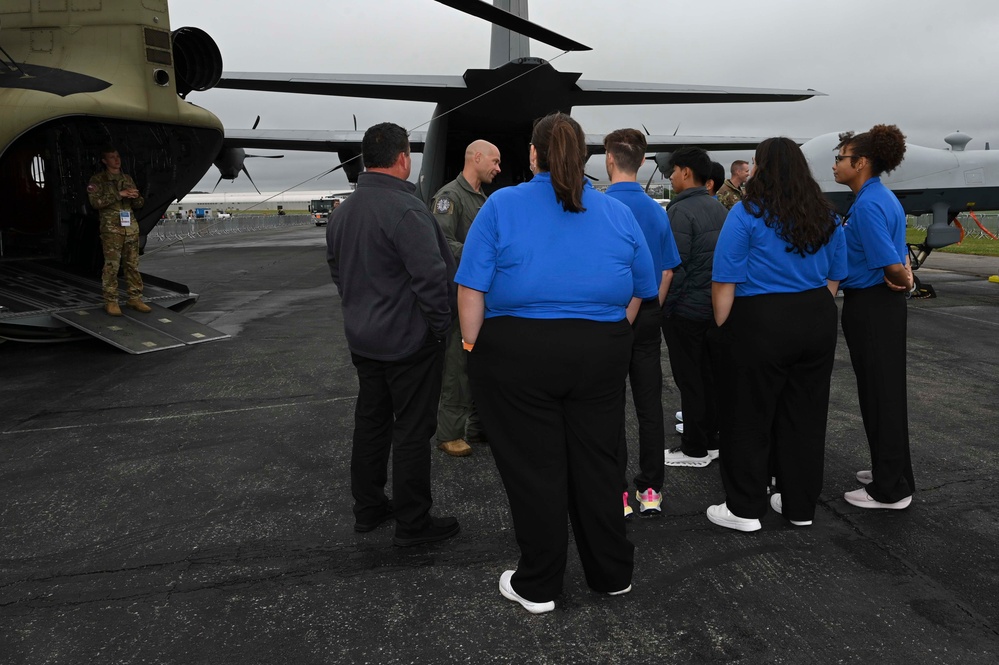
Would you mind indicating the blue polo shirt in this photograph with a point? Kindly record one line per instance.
(750, 255)
(533, 260)
(653, 221)
(875, 235)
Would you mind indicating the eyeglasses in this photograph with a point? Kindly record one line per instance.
(840, 158)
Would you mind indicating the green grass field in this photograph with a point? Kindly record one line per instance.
(979, 246)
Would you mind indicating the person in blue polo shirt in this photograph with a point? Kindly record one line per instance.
(625, 152)
(547, 273)
(874, 312)
(777, 266)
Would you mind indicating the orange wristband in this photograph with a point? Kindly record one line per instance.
(465, 345)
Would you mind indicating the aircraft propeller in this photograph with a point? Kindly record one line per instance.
(230, 162)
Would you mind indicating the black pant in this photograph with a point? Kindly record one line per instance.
(550, 395)
(646, 376)
(396, 410)
(775, 356)
(874, 324)
(689, 357)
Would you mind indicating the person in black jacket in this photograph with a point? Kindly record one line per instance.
(392, 266)
(696, 220)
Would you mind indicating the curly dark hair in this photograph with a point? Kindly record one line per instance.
(883, 145)
(784, 194)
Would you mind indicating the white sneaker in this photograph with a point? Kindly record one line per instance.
(506, 590)
(721, 516)
(862, 499)
(713, 454)
(676, 457)
(621, 592)
(679, 416)
(679, 428)
(777, 505)
(865, 477)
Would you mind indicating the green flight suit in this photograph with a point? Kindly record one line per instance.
(728, 194)
(120, 243)
(454, 207)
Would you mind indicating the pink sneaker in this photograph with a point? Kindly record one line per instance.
(628, 512)
(649, 502)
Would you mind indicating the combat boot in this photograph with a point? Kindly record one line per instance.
(112, 308)
(138, 305)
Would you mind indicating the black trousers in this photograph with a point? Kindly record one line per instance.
(646, 376)
(550, 394)
(396, 411)
(776, 356)
(874, 324)
(690, 359)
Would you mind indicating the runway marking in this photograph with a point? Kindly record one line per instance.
(182, 415)
(956, 316)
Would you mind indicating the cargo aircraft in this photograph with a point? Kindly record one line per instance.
(76, 75)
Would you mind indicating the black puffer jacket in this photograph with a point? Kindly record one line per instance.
(696, 220)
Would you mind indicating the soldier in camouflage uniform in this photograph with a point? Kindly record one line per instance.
(455, 206)
(114, 195)
(731, 192)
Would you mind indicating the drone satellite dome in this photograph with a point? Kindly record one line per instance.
(957, 141)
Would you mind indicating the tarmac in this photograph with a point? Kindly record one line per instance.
(193, 506)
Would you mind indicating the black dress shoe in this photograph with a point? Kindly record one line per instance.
(440, 528)
(371, 525)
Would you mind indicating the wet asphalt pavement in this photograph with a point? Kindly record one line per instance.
(193, 506)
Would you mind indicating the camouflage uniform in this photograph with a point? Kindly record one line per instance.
(120, 243)
(728, 194)
(454, 207)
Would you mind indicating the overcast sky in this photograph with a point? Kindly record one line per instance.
(926, 65)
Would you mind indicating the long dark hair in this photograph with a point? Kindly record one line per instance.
(784, 194)
(561, 147)
(882, 145)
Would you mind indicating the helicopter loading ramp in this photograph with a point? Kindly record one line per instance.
(135, 332)
(43, 301)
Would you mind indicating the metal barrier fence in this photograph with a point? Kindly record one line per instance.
(172, 229)
(990, 220)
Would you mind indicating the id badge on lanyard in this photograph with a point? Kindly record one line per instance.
(126, 217)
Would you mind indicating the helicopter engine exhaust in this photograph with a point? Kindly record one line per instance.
(197, 60)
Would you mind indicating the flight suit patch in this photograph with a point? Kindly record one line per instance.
(444, 206)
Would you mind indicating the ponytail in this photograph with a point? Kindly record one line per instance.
(561, 148)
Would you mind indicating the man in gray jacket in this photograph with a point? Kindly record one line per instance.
(392, 266)
(696, 220)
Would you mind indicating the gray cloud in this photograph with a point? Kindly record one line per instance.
(925, 65)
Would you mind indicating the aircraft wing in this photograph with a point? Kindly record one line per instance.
(411, 87)
(669, 142)
(608, 93)
(305, 139)
(429, 88)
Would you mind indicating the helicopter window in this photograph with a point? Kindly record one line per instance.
(38, 171)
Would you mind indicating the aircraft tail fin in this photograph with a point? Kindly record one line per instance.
(506, 45)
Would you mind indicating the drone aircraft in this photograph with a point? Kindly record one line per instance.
(77, 76)
(933, 181)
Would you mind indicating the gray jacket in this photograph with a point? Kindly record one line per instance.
(393, 268)
(696, 220)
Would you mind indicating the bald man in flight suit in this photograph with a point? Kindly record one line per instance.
(454, 207)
